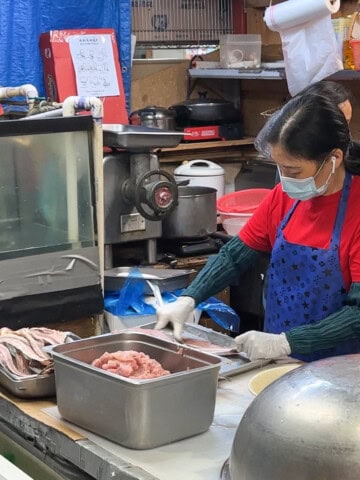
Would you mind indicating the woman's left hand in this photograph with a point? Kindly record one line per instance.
(260, 345)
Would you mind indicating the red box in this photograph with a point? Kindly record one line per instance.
(193, 134)
(59, 73)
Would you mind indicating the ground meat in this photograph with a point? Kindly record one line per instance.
(130, 364)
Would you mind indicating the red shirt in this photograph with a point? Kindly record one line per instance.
(311, 224)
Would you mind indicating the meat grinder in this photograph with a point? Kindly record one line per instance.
(137, 194)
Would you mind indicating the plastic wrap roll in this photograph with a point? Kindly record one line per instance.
(292, 13)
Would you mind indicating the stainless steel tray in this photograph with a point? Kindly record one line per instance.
(232, 365)
(32, 386)
(139, 139)
(135, 413)
(167, 279)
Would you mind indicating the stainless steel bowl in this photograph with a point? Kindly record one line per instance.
(304, 426)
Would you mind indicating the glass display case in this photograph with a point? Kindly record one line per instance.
(48, 251)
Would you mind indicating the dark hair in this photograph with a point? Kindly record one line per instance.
(336, 92)
(311, 126)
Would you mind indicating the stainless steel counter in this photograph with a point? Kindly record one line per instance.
(82, 455)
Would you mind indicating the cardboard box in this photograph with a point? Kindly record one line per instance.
(179, 20)
(59, 72)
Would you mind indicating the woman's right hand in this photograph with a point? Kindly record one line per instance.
(176, 313)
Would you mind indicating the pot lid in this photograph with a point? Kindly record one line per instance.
(199, 168)
(153, 110)
(203, 101)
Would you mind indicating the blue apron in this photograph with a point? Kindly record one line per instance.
(305, 284)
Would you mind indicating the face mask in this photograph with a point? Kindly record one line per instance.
(305, 188)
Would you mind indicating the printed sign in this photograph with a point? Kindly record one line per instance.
(94, 65)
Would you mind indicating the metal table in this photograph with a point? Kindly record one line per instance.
(81, 455)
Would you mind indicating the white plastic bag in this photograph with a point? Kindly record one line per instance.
(308, 40)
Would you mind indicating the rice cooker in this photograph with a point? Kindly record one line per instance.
(202, 173)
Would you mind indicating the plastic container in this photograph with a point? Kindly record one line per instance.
(341, 28)
(240, 51)
(233, 224)
(119, 322)
(202, 173)
(241, 201)
(236, 208)
(355, 46)
(350, 49)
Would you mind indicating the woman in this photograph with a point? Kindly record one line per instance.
(311, 226)
(334, 91)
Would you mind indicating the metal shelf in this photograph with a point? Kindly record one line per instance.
(278, 74)
(224, 151)
(232, 73)
(345, 75)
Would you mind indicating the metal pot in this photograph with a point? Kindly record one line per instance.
(195, 215)
(154, 117)
(205, 111)
(304, 426)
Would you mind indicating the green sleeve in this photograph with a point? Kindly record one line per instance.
(221, 269)
(340, 327)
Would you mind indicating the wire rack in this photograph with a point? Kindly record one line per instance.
(180, 22)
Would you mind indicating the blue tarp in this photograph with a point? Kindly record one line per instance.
(22, 22)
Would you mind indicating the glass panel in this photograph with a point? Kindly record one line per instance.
(46, 201)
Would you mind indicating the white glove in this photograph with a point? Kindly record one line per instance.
(263, 345)
(177, 313)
